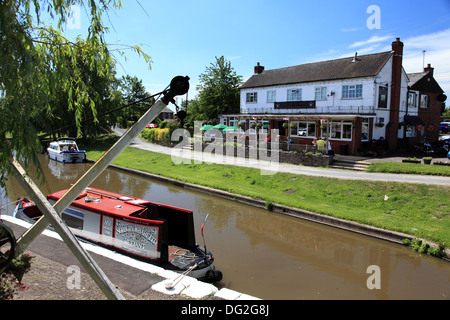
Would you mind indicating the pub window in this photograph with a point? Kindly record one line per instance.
(412, 100)
(424, 101)
(233, 121)
(311, 129)
(294, 95)
(341, 130)
(252, 128)
(264, 127)
(271, 96)
(382, 97)
(410, 131)
(335, 130)
(352, 91)
(252, 97)
(347, 131)
(303, 129)
(365, 130)
(321, 93)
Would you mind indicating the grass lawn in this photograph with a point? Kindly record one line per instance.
(419, 210)
(409, 168)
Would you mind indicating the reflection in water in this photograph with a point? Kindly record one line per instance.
(272, 256)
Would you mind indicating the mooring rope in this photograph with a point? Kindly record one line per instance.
(9, 204)
(6, 205)
(170, 285)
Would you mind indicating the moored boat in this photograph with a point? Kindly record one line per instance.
(153, 232)
(66, 150)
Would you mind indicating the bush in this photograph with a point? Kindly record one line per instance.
(423, 247)
(10, 279)
(161, 134)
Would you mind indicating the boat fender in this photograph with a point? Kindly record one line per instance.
(81, 195)
(214, 275)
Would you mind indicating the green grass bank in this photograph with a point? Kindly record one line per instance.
(409, 168)
(418, 210)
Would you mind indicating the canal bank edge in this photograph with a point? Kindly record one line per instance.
(387, 235)
(184, 287)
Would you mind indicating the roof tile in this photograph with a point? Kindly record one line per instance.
(346, 68)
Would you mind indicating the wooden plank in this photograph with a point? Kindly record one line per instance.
(52, 217)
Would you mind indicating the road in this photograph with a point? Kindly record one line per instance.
(268, 167)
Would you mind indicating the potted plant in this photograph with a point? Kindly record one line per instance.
(441, 163)
(411, 160)
(19, 266)
(427, 160)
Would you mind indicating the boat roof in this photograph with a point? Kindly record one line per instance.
(110, 203)
(63, 141)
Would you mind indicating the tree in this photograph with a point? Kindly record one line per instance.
(446, 113)
(218, 92)
(38, 66)
(133, 90)
(100, 87)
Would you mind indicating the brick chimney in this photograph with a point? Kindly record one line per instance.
(429, 69)
(397, 69)
(259, 69)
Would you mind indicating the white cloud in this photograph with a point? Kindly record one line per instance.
(350, 29)
(371, 41)
(437, 47)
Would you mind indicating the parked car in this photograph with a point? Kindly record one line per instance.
(152, 125)
(444, 127)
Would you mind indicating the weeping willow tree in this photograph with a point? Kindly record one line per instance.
(44, 76)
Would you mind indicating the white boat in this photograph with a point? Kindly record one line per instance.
(153, 232)
(66, 150)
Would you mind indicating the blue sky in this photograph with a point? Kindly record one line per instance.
(183, 37)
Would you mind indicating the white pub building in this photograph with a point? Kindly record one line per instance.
(350, 101)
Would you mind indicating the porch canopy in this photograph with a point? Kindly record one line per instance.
(414, 120)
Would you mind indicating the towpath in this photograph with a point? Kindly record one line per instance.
(267, 167)
(57, 275)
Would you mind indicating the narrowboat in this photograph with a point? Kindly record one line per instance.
(66, 150)
(153, 232)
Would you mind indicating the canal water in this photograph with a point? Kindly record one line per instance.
(272, 256)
